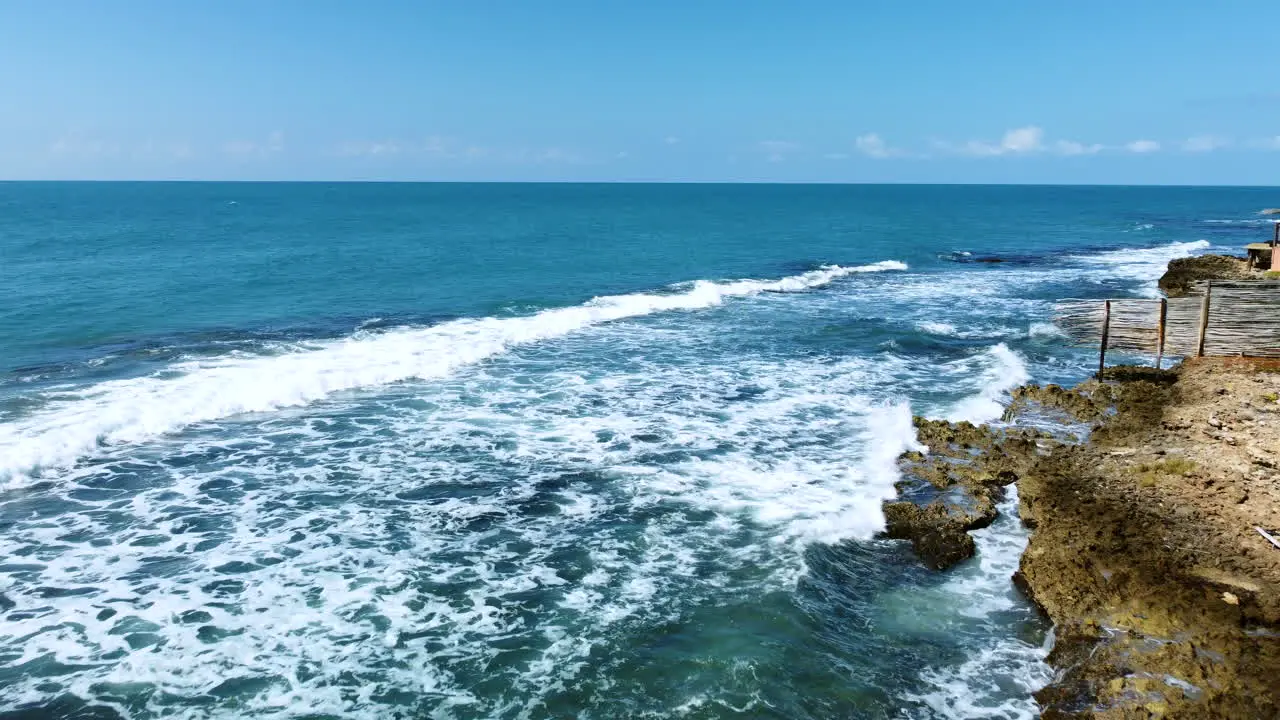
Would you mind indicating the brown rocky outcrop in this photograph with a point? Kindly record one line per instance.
(1164, 598)
(1182, 272)
(955, 487)
(1144, 551)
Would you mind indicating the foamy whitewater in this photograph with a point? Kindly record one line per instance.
(477, 489)
(132, 410)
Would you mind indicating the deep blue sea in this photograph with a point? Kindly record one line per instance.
(526, 451)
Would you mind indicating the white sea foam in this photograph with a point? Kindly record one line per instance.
(1001, 672)
(806, 496)
(1249, 221)
(937, 328)
(1044, 330)
(126, 411)
(997, 302)
(416, 540)
(1144, 266)
(986, 331)
(343, 568)
(1000, 370)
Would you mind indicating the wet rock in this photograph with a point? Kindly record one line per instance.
(938, 534)
(960, 479)
(1182, 272)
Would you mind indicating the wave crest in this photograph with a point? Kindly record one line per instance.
(1002, 370)
(131, 410)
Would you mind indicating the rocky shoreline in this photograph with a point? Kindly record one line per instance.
(1143, 553)
(1142, 493)
(1165, 600)
(1182, 272)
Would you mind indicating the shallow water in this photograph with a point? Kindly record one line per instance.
(524, 451)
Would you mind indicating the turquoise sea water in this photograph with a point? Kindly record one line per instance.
(545, 451)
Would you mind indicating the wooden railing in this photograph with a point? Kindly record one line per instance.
(1215, 318)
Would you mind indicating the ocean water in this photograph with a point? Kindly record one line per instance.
(526, 451)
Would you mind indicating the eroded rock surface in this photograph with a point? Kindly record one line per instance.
(1166, 601)
(955, 487)
(1183, 272)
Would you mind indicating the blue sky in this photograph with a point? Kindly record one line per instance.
(1130, 91)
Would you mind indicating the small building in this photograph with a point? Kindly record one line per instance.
(1263, 255)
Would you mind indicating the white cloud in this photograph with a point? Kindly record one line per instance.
(1204, 143)
(671, 140)
(558, 156)
(1029, 140)
(872, 145)
(1023, 140)
(1070, 147)
(239, 147)
(168, 150)
(1019, 141)
(437, 147)
(543, 156)
(77, 144)
(274, 143)
(1271, 143)
(1143, 146)
(373, 148)
(177, 151)
(777, 150)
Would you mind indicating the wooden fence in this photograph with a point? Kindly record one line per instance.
(1215, 318)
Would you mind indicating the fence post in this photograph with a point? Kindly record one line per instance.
(1275, 249)
(1164, 313)
(1204, 318)
(1106, 330)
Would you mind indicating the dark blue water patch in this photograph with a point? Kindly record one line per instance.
(46, 592)
(851, 573)
(731, 642)
(127, 357)
(155, 566)
(992, 261)
(844, 595)
(61, 707)
(25, 504)
(474, 487)
(943, 348)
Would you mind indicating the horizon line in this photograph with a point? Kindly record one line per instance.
(245, 181)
